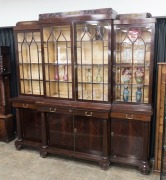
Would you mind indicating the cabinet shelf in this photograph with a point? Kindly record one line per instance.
(99, 83)
(59, 64)
(134, 64)
(92, 64)
(130, 84)
(59, 81)
(31, 63)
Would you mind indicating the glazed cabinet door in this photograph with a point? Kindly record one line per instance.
(133, 61)
(60, 130)
(92, 47)
(29, 62)
(57, 45)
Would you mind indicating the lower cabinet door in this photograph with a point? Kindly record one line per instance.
(31, 125)
(127, 138)
(60, 130)
(88, 135)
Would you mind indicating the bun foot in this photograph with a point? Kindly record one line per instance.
(104, 164)
(144, 168)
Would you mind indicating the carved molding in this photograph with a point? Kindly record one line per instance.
(133, 16)
(78, 13)
(27, 23)
(50, 15)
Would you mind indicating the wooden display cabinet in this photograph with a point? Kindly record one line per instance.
(6, 118)
(72, 70)
(132, 89)
(66, 92)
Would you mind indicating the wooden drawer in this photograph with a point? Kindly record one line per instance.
(24, 105)
(55, 110)
(92, 114)
(131, 116)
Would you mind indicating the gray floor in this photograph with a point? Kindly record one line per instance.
(28, 165)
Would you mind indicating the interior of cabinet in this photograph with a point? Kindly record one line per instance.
(92, 61)
(30, 63)
(132, 63)
(57, 60)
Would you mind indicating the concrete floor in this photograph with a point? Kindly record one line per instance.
(28, 165)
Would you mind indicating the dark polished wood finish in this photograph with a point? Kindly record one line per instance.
(130, 134)
(160, 124)
(29, 126)
(67, 113)
(129, 144)
(73, 130)
(6, 118)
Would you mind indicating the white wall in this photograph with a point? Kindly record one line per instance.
(12, 11)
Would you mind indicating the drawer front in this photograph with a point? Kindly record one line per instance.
(131, 116)
(24, 105)
(92, 114)
(55, 110)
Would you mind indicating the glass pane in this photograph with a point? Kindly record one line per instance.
(31, 87)
(59, 90)
(92, 61)
(30, 63)
(57, 56)
(132, 63)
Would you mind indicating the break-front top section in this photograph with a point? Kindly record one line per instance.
(76, 54)
(132, 63)
(82, 75)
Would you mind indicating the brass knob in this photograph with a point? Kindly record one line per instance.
(25, 105)
(75, 130)
(52, 109)
(90, 114)
(112, 133)
(129, 117)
